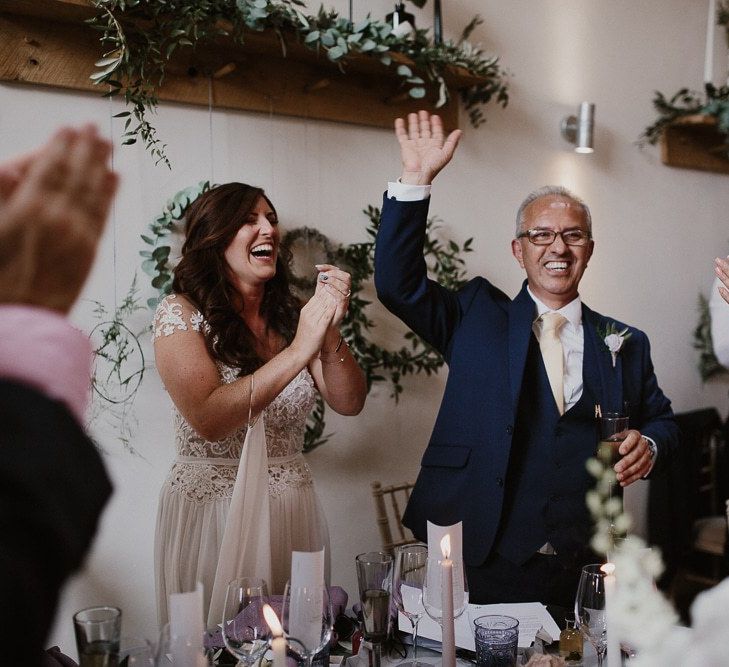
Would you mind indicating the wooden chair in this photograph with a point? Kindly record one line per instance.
(708, 504)
(388, 501)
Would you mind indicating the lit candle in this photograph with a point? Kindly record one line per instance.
(710, 30)
(446, 603)
(613, 641)
(278, 643)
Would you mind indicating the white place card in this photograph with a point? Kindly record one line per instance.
(306, 596)
(532, 616)
(187, 627)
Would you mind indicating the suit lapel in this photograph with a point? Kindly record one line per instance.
(521, 317)
(597, 365)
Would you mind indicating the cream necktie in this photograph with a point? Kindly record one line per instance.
(551, 347)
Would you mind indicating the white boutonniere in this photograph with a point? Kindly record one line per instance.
(614, 339)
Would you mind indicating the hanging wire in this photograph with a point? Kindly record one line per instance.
(210, 129)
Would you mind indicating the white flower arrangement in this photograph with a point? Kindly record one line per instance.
(643, 618)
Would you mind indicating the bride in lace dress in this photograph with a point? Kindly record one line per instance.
(233, 338)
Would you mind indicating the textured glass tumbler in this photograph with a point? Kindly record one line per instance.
(497, 639)
(98, 631)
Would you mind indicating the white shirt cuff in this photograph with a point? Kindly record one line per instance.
(406, 192)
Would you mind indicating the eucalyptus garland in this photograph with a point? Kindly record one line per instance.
(445, 264)
(139, 37)
(686, 102)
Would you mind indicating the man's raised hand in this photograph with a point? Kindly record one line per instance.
(424, 149)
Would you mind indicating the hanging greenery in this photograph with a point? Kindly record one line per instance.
(713, 103)
(139, 37)
(119, 366)
(445, 264)
(708, 364)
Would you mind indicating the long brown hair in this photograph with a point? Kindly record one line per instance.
(213, 219)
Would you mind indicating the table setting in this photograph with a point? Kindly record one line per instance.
(417, 596)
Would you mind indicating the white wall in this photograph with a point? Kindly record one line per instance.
(657, 230)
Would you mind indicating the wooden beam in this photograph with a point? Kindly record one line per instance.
(46, 42)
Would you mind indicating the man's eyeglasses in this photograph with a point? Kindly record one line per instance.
(547, 236)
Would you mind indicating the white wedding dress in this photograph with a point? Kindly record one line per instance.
(196, 495)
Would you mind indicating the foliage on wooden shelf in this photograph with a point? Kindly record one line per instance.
(713, 104)
(686, 103)
(141, 36)
(445, 264)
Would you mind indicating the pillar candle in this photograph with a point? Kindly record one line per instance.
(613, 641)
(278, 643)
(709, 56)
(446, 596)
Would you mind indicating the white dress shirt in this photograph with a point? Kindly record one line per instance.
(719, 310)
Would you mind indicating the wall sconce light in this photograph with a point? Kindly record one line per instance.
(578, 129)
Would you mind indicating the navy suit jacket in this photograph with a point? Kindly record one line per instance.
(53, 486)
(484, 336)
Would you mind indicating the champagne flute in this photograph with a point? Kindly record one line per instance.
(613, 430)
(245, 631)
(374, 576)
(307, 619)
(407, 588)
(590, 609)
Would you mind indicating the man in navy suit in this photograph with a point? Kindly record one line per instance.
(53, 484)
(517, 421)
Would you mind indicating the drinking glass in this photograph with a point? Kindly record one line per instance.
(245, 631)
(431, 590)
(98, 631)
(590, 609)
(614, 428)
(407, 588)
(497, 640)
(307, 619)
(374, 575)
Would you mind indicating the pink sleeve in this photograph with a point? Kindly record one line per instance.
(42, 349)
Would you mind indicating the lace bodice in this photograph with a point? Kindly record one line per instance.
(284, 421)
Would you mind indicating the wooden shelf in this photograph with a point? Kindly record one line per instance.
(694, 142)
(46, 42)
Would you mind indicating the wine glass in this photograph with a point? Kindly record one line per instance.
(374, 576)
(407, 588)
(590, 609)
(307, 619)
(245, 631)
(432, 599)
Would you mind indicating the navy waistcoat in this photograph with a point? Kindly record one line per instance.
(546, 480)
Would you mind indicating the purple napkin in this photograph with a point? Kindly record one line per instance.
(337, 596)
(54, 658)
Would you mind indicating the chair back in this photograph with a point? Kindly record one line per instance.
(701, 435)
(388, 501)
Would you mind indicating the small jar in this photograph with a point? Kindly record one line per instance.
(571, 643)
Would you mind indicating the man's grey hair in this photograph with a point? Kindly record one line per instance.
(551, 191)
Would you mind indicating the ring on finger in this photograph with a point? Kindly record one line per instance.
(349, 291)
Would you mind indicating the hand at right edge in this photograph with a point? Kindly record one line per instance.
(424, 149)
